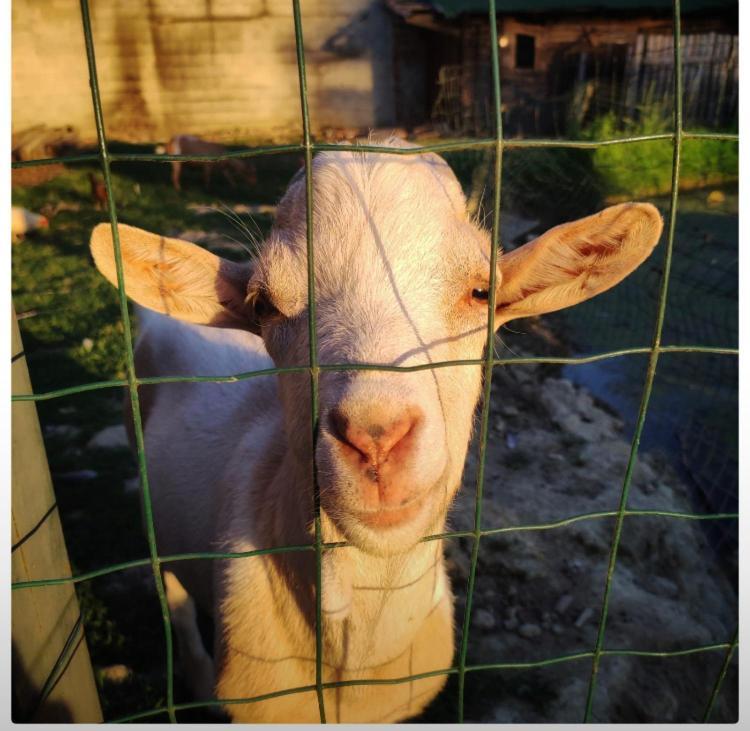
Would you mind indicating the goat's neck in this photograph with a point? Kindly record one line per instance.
(357, 586)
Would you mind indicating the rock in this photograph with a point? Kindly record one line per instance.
(112, 437)
(563, 603)
(116, 673)
(64, 431)
(575, 412)
(529, 630)
(483, 619)
(584, 617)
(132, 484)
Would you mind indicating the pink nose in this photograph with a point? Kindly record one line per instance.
(375, 441)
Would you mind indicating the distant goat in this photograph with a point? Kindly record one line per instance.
(234, 170)
(401, 279)
(98, 191)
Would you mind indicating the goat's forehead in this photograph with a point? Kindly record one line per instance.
(395, 219)
(387, 173)
(382, 197)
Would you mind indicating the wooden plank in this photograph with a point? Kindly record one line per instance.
(49, 654)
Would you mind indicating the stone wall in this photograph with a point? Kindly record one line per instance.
(220, 68)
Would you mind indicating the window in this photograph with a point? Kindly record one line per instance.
(525, 51)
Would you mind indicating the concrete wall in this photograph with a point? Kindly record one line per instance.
(220, 68)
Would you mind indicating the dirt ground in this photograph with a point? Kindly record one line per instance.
(555, 453)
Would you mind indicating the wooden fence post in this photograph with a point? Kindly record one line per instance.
(51, 670)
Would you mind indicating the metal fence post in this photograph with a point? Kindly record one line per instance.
(52, 676)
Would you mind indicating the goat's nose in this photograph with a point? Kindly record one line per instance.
(374, 440)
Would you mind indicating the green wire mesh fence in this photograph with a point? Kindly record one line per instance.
(307, 147)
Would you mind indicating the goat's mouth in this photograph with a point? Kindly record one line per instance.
(390, 517)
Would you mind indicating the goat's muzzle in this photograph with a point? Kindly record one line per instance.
(376, 444)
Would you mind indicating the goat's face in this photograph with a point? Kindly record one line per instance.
(401, 279)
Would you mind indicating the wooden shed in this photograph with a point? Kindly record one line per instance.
(563, 63)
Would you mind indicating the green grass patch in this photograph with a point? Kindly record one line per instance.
(645, 168)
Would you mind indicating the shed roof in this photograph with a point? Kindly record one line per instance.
(453, 8)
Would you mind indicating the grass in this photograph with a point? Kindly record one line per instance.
(543, 182)
(645, 168)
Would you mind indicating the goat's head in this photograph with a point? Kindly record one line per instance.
(401, 279)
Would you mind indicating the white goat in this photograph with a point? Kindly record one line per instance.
(401, 278)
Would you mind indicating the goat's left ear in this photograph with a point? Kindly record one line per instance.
(575, 261)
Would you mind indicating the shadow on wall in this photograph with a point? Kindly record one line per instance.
(130, 108)
(369, 34)
(350, 75)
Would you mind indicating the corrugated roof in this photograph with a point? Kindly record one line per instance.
(453, 8)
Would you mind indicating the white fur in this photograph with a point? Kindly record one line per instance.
(230, 464)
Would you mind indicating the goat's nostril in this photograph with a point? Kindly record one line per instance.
(375, 431)
(353, 437)
(373, 442)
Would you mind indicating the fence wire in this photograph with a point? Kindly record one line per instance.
(498, 144)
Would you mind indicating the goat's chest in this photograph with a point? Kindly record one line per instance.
(389, 631)
(386, 613)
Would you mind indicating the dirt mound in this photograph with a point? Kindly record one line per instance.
(555, 453)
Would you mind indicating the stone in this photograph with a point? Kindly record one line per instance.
(116, 673)
(584, 617)
(483, 619)
(113, 437)
(563, 603)
(529, 630)
(574, 411)
(64, 431)
(132, 484)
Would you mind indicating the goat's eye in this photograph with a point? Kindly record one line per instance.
(481, 295)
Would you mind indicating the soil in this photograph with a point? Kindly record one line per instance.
(555, 453)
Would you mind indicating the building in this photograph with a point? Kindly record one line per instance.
(227, 69)
(562, 63)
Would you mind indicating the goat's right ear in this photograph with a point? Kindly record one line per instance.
(174, 277)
